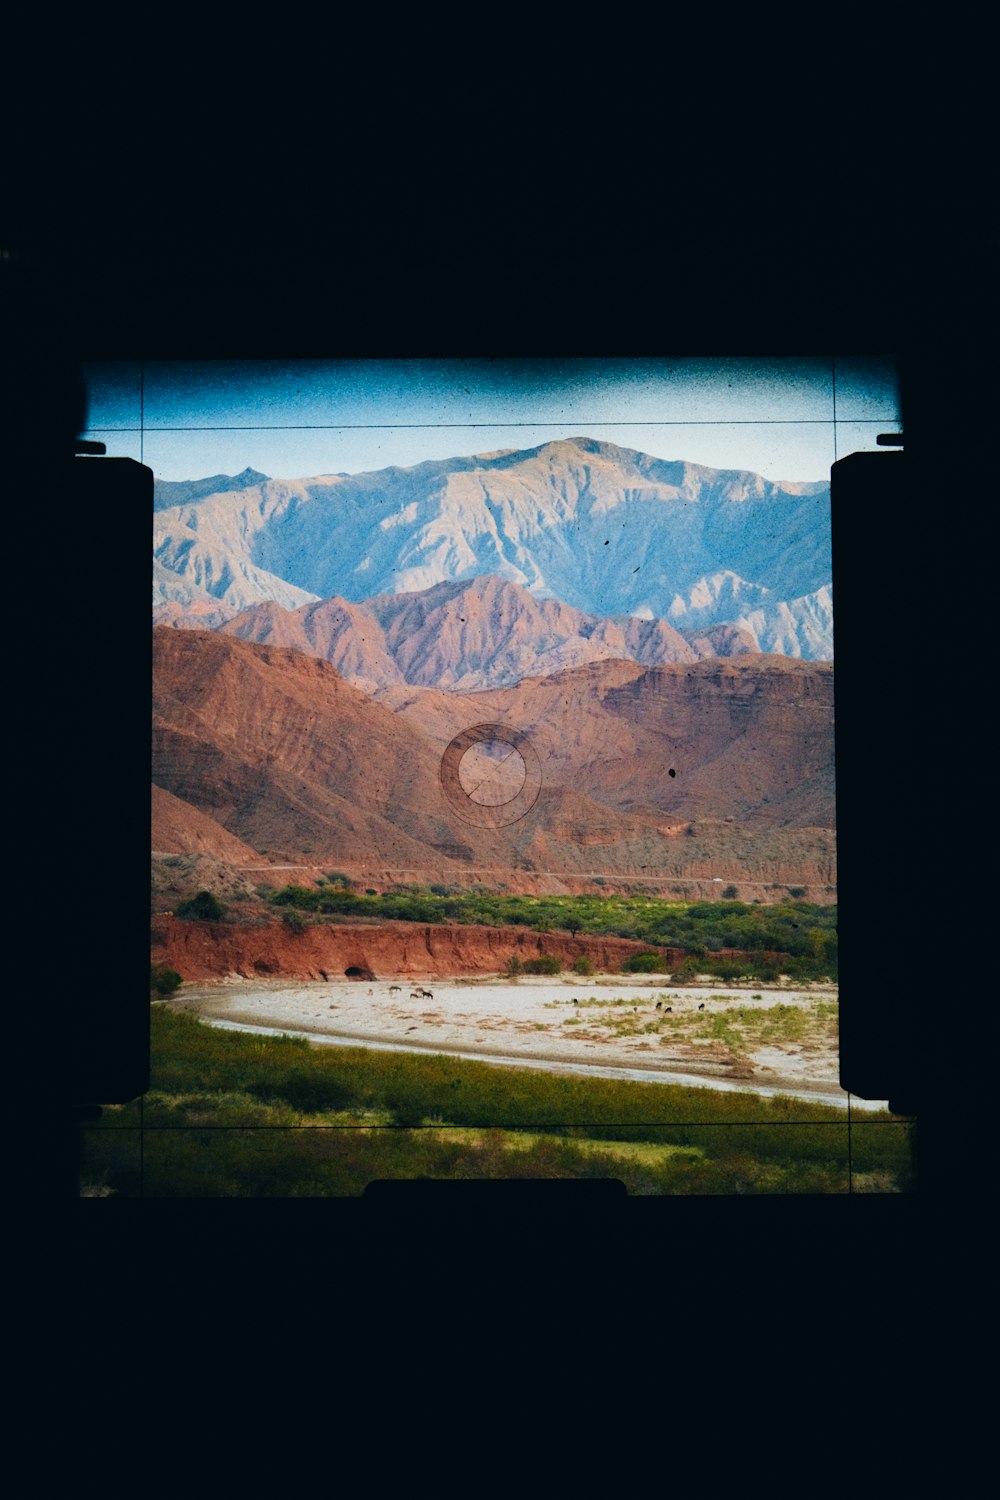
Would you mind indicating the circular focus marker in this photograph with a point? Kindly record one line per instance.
(491, 775)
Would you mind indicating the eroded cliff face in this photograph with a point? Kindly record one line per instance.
(391, 950)
(264, 750)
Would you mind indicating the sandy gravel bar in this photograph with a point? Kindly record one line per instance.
(613, 1030)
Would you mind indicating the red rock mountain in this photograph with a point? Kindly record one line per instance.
(484, 632)
(348, 636)
(750, 738)
(488, 632)
(280, 752)
(179, 828)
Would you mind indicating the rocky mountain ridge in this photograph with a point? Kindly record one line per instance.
(463, 637)
(605, 530)
(273, 748)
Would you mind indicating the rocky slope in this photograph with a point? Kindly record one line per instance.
(461, 637)
(348, 636)
(749, 739)
(608, 530)
(179, 828)
(278, 751)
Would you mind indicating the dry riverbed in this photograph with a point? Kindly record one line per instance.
(763, 1040)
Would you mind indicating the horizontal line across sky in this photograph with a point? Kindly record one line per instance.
(430, 426)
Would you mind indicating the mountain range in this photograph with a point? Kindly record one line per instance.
(645, 771)
(597, 532)
(460, 636)
(660, 631)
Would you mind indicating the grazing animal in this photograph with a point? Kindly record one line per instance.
(659, 1004)
(668, 1010)
(702, 1005)
(394, 989)
(419, 994)
(575, 1000)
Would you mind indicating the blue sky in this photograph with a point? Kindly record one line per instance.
(775, 416)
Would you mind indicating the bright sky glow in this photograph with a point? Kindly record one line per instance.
(775, 416)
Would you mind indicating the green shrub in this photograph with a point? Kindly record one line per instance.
(333, 899)
(306, 896)
(404, 1111)
(204, 907)
(645, 963)
(514, 967)
(771, 934)
(686, 969)
(546, 964)
(582, 966)
(337, 877)
(725, 968)
(163, 981)
(306, 1088)
(294, 921)
(730, 893)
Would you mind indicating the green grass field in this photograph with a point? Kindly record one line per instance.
(230, 1114)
